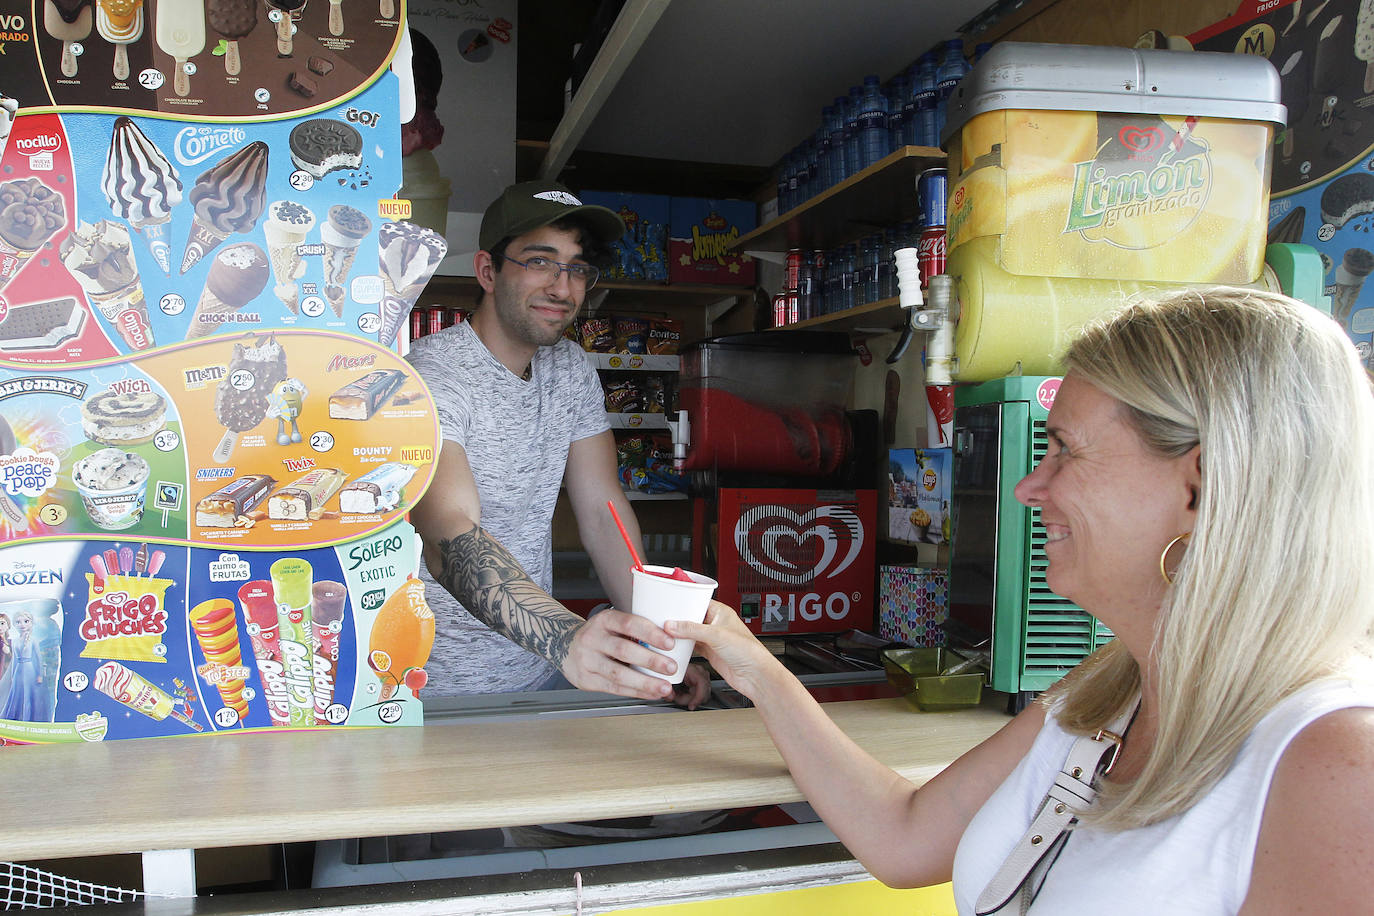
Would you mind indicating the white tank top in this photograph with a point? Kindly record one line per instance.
(1196, 863)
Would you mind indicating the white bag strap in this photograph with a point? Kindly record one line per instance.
(1074, 789)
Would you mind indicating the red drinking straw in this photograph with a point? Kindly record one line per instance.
(634, 554)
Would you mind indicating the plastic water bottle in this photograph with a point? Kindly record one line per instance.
(909, 136)
(813, 160)
(803, 172)
(822, 138)
(952, 69)
(896, 112)
(872, 123)
(839, 167)
(853, 154)
(924, 133)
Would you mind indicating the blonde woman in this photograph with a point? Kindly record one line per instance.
(1208, 494)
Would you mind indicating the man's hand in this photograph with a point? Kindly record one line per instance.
(603, 649)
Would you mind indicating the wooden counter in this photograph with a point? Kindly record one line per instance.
(187, 793)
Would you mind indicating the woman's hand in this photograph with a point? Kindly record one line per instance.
(732, 650)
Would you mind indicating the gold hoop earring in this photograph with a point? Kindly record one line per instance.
(1164, 555)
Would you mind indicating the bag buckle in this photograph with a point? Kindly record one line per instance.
(1115, 750)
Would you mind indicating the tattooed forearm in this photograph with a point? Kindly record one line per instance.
(495, 589)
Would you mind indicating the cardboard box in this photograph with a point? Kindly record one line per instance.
(642, 253)
(700, 233)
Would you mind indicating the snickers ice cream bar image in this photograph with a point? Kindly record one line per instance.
(379, 490)
(359, 400)
(223, 508)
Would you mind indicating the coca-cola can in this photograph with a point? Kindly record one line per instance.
(793, 307)
(930, 253)
(780, 310)
(939, 416)
(932, 196)
(793, 273)
(419, 324)
(437, 314)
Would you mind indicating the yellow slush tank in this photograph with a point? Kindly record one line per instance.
(1080, 175)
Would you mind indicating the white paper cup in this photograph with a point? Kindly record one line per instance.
(660, 599)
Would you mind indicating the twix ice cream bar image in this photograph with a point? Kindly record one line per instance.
(305, 498)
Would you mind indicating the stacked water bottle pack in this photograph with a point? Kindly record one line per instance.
(872, 120)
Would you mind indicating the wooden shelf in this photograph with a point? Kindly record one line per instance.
(876, 317)
(878, 197)
(661, 295)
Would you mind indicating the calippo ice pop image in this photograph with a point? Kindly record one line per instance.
(260, 612)
(119, 683)
(330, 600)
(141, 187)
(401, 640)
(217, 631)
(291, 590)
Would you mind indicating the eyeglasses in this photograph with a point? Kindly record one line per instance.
(547, 269)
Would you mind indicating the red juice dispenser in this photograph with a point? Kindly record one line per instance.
(787, 477)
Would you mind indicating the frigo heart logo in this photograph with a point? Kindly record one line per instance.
(777, 542)
(1141, 139)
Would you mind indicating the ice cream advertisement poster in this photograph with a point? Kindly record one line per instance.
(250, 442)
(125, 640)
(1323, 172)
(125, 234)
(218, 59)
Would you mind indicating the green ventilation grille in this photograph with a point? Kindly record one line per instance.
(1059, 634)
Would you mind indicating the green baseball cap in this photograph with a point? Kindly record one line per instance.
(529, 205)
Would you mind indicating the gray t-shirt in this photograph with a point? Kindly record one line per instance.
(516, 435)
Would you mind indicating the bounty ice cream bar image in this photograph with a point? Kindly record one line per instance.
(141, 187)
(228, 197)
(30, 213)
(232, 19)
(119, 22)
(180, 32)
(69, 21)
(379, 490)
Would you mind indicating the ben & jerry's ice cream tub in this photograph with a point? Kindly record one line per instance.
(1114, 163)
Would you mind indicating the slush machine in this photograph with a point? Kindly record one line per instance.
(787, 477)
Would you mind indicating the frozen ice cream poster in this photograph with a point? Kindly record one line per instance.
(219, 59)
(1324, 54)
(918, 491)
(95, 452)
(129, 640)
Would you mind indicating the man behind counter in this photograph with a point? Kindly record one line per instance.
(521, 411)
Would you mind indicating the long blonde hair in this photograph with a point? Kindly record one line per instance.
(1276, 587)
